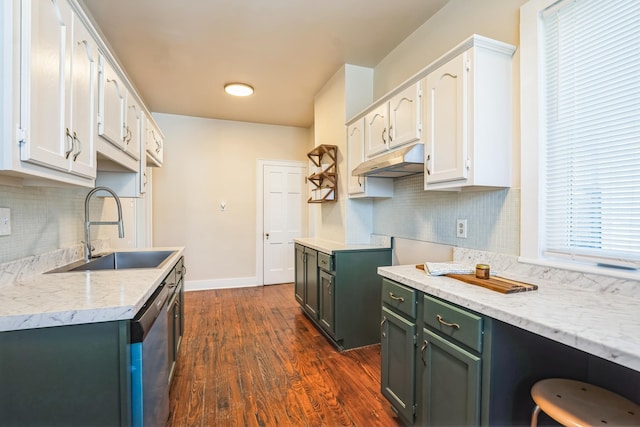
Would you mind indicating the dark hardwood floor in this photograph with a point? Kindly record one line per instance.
(249, 357)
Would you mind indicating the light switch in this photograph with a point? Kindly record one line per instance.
(5, 221)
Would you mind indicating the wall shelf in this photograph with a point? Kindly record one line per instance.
(325, 176)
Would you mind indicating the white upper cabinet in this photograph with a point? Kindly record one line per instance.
(154, 144)
(405, 124)
(360, 186)
(57, 85)
(395, 122)
(355, 156)
(132, 129)
(468, 118)
(376, 125)
(111, 105)
(446, 157)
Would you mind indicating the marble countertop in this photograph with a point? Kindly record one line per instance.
(57, 299)
(329, 246)
(605, 325)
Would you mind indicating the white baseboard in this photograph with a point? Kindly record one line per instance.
(203, 285)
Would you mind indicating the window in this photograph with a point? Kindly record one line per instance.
(581, 134)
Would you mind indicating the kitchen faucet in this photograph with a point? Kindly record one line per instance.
(88, 223)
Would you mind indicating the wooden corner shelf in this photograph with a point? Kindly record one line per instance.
(324, 180)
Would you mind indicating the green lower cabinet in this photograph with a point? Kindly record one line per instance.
(326, 302)
(398, 376)
(300, 274)
(451, 383)
(311, 297)
(75, 375)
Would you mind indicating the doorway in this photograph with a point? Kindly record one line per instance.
(282, 216)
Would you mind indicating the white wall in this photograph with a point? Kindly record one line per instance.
(207, 161)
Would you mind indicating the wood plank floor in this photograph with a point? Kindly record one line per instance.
(249, 357)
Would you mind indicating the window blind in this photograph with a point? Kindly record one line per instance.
(591, 133)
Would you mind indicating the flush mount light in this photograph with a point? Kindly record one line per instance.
(238, 89)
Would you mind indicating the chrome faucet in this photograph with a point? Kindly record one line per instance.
(88, 223)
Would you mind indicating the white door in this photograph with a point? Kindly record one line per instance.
(284, 219)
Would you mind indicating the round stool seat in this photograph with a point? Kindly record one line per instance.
(574, 403)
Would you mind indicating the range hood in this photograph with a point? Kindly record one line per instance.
(395, 164)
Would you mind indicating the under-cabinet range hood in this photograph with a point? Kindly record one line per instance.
(401, 162)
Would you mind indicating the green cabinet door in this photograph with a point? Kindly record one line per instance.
(326, 302)
(311, 302)
(398, 378)
(300, 271)
(450, 383)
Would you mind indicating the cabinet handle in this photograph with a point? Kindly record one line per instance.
(425, 344)
(70, 150)
(390, 133)
(329, 283)
(359, 181)
(393, 297)
(384, 138)
(75, 139)
(384, 319)
(426, 164)
(453, 325)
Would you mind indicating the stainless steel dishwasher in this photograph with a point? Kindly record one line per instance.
(150, 362)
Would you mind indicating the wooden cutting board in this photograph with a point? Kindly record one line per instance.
(498, 284)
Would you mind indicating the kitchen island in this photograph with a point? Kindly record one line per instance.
(67, 343)
(338, 288)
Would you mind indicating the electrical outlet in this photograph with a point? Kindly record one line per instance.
(5, 221)
(461, 228)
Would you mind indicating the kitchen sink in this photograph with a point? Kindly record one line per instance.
(119, 261)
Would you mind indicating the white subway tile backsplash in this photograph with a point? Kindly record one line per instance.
(493, 217)
(42, 220)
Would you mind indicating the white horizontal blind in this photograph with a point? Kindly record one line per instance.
(591, 179)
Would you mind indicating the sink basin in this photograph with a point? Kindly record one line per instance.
(119, 261)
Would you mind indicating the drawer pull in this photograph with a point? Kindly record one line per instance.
(453, 325)
(393, 297)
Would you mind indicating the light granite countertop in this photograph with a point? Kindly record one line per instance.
(604, 324)
(57, 299)
(329, 246)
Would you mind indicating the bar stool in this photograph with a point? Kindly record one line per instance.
(574, 403)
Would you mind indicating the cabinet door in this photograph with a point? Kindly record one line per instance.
(398, 377)
(446, 122)
(450, 383)
(355, 147)
(154, 144)
(81, 103)
(327, 301)
(132, 127)
(46, 28)
(376, 131)
(311, 283)
(405, 124)
(111, 101)
(300, 271)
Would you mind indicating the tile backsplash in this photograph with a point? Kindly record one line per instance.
(493, 216)
(42, 220)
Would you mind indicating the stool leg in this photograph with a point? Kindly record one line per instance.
(534, 416)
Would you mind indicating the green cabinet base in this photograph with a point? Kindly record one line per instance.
(66, 376)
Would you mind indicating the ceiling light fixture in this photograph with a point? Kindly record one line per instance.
(238, 89)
